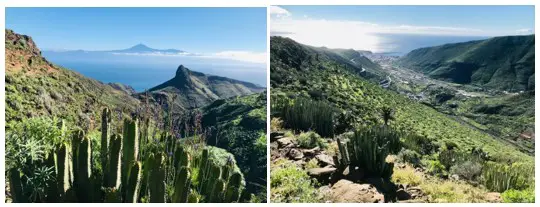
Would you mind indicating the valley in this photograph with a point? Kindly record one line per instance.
(389, 132)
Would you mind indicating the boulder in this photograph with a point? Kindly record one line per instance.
(285, 142)
(311, 152)
(276, 135)
(327, 160)
(296, 154)
(345, 191)
(493, 197)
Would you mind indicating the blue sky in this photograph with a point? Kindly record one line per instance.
(360, 27)
(197, 30)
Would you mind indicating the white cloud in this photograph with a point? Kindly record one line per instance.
(524, 31)
(279, 12)
(354, 34)
(245, 56)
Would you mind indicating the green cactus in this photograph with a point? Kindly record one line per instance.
(368, 150)
(217, 191)
(134, 183)
(181, 187)
(234, 188)
(84, 169)
(130, 147)
(112, 195)
(157, 174)
(62, 169)
(114, 173)
(105, 136)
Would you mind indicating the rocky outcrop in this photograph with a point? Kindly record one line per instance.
(345, 191)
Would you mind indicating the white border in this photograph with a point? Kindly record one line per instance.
(233, 3)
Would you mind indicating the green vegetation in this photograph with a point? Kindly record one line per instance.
(519, 196)
(304, 114)
(505, 63)
(291, 184)
(238, 125)
(141, 150)
(59, 166)
(368, 149)
(453, 161)
(310, 140)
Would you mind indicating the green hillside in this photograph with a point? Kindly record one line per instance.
(334, 131)
(37, 87)
(303, 58)
(503, 63)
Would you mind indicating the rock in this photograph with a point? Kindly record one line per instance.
(493, 197)
(311, 152)
(402, 195)
(415, 192)
(327, 160)
(454, 177)
(284, 142)
(345, 191)
(274, 135)
(317, 172)
(296, 154)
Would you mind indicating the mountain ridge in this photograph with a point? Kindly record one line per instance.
(502, 63)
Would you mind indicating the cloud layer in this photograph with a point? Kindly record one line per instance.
(244, 56)
(355, 34)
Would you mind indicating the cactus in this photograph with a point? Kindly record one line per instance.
(130, 147)
(105, 136)
(114, 174)
(84, 168)
(368, 149)
(217, 191)
(62, 169)
(232, 193)
(112, 195)
(157, 174)
(134, 183)
(181, 187)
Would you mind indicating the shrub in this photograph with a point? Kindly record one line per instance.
(409, 156)
(420, 144)
(276, 124)
(500, 177)
(519, 196)
(290, 184)
(436, 168)
(469, 170)
(304, 115)
(407, 176)
(313, 163)
(311, 140)
(452, 192)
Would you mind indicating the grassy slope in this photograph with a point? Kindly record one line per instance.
(480, 62)
(36, 87)
(349, 93)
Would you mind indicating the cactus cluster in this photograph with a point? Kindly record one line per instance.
(500, 177)
(367, 149)
(133, 174)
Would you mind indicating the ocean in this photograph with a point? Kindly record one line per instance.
(145, 72)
